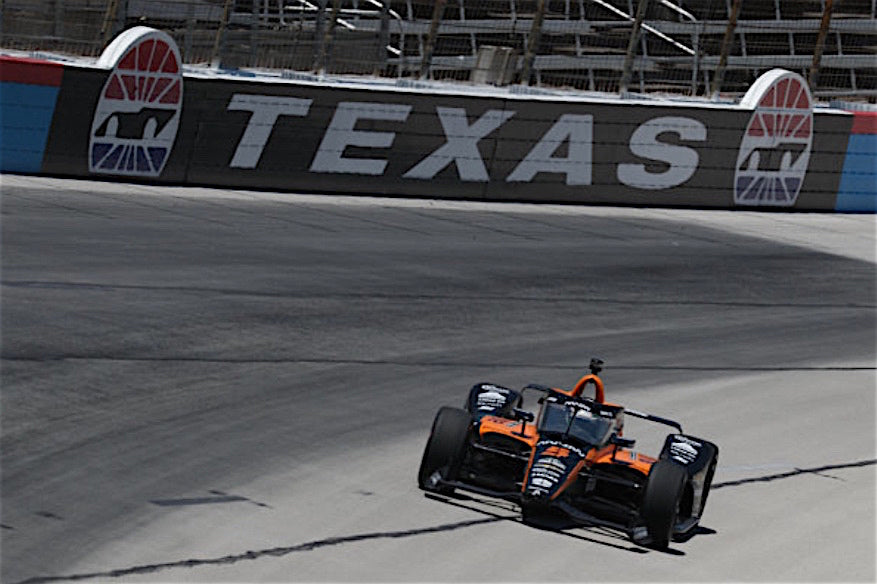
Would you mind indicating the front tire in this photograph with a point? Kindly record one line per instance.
(445, 449)
(661, 500)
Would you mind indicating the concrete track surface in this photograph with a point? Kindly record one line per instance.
(210, 385)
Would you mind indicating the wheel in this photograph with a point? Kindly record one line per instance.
(661, 501)
(707, 484)
(445, 448)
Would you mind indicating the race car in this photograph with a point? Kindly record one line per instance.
(570, 460)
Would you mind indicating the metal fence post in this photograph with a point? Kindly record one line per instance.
(319, 30)
(326, 41)
(627, 71)
(383, 38)
(437, 13)
(106, 30)
(727, 42)
(533, 42)
(695, 68)
(820, 45)
(254, 32)
(58, 28)
(187, 37)
(121, 17)
(219, 41)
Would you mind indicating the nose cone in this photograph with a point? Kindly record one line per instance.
(545, 478)
(550, 468)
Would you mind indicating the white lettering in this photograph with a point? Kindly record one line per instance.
(562, 445)
(545, 462)
(578, 130)
(681, 438)
(461, 146)
(342, 133)
(266, 109)
(682, 159)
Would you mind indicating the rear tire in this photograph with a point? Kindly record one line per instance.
(664, 491)
(445, 449)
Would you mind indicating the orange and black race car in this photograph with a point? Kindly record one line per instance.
(573, 462)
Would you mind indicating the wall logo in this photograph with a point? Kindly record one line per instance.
(137, 115)
(775, 150)
(566, 148)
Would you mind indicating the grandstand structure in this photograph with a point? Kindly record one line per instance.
(679, 47)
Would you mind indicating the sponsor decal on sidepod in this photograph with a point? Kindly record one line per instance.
(491, 400)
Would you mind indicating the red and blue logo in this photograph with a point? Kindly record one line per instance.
(775, 150)
(857, 191)
(137, 116)
(28, 93)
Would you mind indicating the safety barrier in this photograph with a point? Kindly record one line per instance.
(136, 116)
(28, 92)
(858, 182)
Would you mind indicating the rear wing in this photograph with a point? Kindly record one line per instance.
(652, 418)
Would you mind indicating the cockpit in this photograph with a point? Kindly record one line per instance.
(579, 420)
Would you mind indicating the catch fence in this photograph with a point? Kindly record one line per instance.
(682, 47)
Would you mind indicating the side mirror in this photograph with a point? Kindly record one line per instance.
(617, 440)
(523, 415)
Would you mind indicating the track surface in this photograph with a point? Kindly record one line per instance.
(210, 385)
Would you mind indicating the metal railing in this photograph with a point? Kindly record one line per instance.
(688, 47)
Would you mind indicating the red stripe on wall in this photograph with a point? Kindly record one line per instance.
(864, 123)
(30, 71)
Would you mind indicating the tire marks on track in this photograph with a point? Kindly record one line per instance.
(412, 363)
(101, 286)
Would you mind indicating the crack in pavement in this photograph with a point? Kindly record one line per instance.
(797, 472)
(254, 555)
(333, 541)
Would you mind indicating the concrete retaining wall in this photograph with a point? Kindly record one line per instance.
(137, 116)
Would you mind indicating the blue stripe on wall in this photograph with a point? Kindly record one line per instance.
(857, 191)
(25, 118)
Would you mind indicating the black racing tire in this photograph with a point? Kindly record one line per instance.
(660, 507)
(445, 448)
(708, 480)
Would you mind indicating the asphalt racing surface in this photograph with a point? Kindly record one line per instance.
(211, 385)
